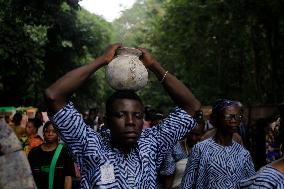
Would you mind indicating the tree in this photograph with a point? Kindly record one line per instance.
(42, 40)
(221, 48)
(135, 28)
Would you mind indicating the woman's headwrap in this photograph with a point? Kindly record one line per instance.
(219, 106)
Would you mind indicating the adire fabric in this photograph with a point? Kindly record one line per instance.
(213, 166)
(266, 178)
(103, 166)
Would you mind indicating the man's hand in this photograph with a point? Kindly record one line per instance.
(110, 52)
(147, 58)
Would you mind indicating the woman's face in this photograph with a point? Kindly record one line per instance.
(50, 134)
(231, 119)
(31, 129)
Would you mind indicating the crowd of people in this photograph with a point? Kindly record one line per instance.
(134, 146)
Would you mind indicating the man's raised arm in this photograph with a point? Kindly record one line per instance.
(57, 94)
(178, 92)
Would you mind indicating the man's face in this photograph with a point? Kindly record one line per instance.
(126, 122)
(231, 119)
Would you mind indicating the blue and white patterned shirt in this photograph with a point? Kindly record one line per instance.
(211, 165)
(103, 166)
(266, 178)
(174, 155)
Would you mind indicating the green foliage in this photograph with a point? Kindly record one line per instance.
(135, 28)
(21, 56)
(223, 48)
(42, 40)
(219, 48)
(95, 35)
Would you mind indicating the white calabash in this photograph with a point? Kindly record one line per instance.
(126, 71)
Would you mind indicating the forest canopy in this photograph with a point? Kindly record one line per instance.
(218, 48)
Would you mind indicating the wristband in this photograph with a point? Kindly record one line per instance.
(164, 76)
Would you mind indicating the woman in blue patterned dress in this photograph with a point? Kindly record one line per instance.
(219, 162)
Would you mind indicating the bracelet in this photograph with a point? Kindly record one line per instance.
(162, 80)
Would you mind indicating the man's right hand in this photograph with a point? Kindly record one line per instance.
(110, 52)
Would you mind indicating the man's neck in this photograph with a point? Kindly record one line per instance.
(125, 149)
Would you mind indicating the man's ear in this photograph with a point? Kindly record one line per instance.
(106, 121)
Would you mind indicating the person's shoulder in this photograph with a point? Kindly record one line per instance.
(207, 141)
(179, 112)
(65, 150)
(266, 177)
(35, 150)
(37, 137)
(66, 110)
(203, 144)
(240, 148)
(270, 172)
(208, 134)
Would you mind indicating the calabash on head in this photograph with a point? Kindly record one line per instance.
(126, 71)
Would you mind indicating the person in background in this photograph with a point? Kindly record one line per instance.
(195, 135)
(8, 119)
(92, 119)
(175, 162)
(153, 117)
(219, 162)
(168, 167)
(146, 121)
(39, 116)
(31, 139)
(270, 176)
(125, 156)
(40, 159)
(16, 125)
(210, 133)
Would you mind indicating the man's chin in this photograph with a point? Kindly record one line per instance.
(130, 141)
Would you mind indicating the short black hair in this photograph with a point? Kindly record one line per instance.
(123, 94)
(35, 121)
(17, 118)
(47, 124)
(95, 110)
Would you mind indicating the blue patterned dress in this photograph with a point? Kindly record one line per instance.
(266, 178)
(211, 166)
(103, 166)
(174, 155)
